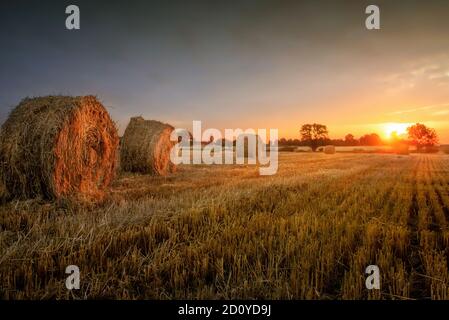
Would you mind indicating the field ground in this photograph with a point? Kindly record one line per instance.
(226, 232)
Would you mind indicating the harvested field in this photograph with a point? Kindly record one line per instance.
(212, 232)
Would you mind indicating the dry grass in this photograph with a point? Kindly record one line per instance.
(226, 232)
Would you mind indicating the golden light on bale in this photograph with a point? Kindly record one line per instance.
(329, 149)
(58, 146)
(146, 146)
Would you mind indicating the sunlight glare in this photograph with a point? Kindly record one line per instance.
(399, 128)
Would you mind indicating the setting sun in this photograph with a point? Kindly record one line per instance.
(399, 128)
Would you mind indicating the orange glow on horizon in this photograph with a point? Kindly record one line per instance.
(383, 129)
(394, 127)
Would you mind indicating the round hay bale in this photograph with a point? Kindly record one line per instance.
(329, 149)
(58, 146)
(146, 146)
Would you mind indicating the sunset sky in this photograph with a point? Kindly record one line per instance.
(247, 64)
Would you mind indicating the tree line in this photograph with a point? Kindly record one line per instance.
(316, 135)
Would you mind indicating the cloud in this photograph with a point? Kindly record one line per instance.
(423, 108)
(441, 113)
(428, 70)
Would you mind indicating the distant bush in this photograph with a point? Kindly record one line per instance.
(444, 149)
(287, 148)
(431, 149)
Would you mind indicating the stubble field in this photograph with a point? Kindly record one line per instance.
(211, 232)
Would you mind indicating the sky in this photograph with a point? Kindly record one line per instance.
(236, 64)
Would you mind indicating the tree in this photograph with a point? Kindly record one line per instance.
(372, 139)
(282, 142)
(422, 136)
(350, 140)
(314, 135)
